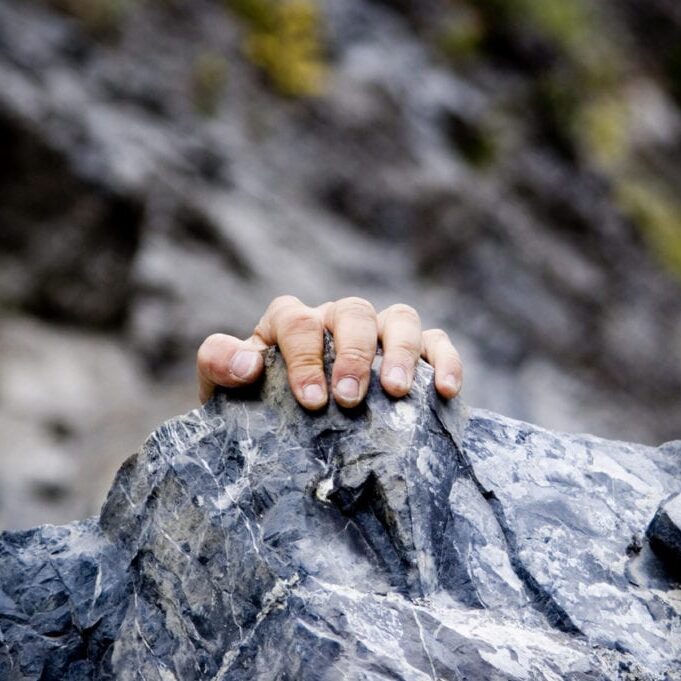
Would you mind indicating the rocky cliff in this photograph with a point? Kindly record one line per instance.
(405, 540)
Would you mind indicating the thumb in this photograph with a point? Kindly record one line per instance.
(227, 361)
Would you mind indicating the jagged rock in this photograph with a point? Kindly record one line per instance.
(252, 540)
(664, 532)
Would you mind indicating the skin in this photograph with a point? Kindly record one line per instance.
(357, 329)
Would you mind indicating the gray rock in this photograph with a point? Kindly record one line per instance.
(249, 539)
(664, 532)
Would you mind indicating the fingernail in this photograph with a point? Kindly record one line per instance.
(453, 383)
(348, 388)
(244, 364)
(313, 394)
(397, 376)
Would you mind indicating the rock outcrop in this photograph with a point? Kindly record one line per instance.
(407, 539)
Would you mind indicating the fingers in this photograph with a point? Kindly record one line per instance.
(399, 328)
(227, 361)
(298, 330)
(443, 356)
(352, 321)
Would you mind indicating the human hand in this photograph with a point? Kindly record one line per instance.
(298, 330)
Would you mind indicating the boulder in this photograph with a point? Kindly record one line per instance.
(408, 539)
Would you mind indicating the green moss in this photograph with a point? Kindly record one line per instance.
(460, 35)
(565, 21)
(284, 40)
(258, 13)
(209, 78)
(603, 131)
(562, 20)
(576, 93)
(575, 28)
(659, 218)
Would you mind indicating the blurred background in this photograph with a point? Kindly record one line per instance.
(509, 167)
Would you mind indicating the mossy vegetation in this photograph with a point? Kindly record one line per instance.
(658, 215)
(603, 131)
(460, 35)
(568, 24)
(571, 27)
(558, 45)
(285, 41)
(575, 97)
(209, 79)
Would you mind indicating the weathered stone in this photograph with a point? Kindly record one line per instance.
(249, 539)
(664, 532)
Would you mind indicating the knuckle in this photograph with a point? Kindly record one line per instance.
(405, 349)
(356, 306)
(284, 301)
(403, 310)
(305, 361)
(280, 307)
(299, 321)
(356, 356)
(436, 335)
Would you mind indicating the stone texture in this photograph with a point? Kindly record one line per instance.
(403, 540)
(664, 532)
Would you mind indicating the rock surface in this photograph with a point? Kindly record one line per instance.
(251, 540)
(664, 532)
